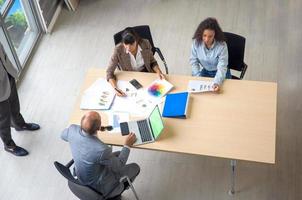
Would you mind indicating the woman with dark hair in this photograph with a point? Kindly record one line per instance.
(132, 54)
(209, 53)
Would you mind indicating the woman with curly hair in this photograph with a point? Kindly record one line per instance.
(209, 53)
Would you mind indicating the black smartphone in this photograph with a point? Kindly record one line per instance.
(136, 84)
(124, 128)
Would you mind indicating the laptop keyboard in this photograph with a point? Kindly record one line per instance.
(144, 130)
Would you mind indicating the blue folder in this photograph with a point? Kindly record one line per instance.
(176, 105)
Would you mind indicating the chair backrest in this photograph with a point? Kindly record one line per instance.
(83, 192)
(236, 47)
(143, 31)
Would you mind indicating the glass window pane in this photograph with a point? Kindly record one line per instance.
(21, 27)
(2, 3)
(16, 24)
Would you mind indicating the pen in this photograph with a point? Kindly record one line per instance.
(118, 91)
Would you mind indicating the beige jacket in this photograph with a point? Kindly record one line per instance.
(121, 58)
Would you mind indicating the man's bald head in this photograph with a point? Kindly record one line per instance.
(91, 122)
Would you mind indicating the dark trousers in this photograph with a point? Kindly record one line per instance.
(10, 115)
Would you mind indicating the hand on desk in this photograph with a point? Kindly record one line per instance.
(130, 139)
(216, 87)
(161, 76)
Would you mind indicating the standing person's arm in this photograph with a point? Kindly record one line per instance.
(113, 63)
(221, 67)
(194, 62)
(7, 64)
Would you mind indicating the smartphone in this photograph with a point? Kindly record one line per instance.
(136, 84)
(124, 128)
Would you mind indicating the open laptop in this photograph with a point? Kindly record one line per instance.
(146, 130)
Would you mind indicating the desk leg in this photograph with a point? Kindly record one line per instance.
(233, 167)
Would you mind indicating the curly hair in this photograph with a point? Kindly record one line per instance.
(212, 24)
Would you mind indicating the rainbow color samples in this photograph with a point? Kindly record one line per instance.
(159, 88)
(156, 89)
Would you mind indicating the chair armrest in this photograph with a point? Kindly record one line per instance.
(157, 50)
(68, 165)
(243, 70)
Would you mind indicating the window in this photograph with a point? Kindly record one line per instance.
(20, 25)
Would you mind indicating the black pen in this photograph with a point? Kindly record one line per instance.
(116, 89)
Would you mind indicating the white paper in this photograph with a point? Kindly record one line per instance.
(144, 104)
(127, 88)
(125, 104)
(195, 86)
(114, 120)
(99, 96)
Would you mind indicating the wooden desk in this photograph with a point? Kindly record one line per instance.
(239, 123)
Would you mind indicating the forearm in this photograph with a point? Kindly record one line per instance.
(112, 82)
(220, 75)
(196, 70)
(157, 70)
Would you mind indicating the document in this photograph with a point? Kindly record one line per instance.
(115, 118)
(125, 104)
(138, 102)
(144, 104)
(195, 86)
(99, 96)
(127, 88)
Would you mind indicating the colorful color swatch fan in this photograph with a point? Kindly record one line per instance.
(159, 88)
(156, 89)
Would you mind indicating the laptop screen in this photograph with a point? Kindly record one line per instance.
(156, 122)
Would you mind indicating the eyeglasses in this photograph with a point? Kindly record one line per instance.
(106, 128)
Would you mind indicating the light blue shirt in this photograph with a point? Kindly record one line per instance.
(212, 59)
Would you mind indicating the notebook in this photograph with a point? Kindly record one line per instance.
(146, 130)
(176, 105)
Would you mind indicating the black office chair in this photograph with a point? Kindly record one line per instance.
(84, 192)
(236, 46)
(144, 32)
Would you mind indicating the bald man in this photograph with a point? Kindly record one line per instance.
(95, 163)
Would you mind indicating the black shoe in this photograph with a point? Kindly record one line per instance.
(28, 127)
(17, 151)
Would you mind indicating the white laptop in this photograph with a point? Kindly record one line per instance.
(146, 130)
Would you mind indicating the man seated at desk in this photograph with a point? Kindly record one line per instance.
(132, 54)
(95, 163)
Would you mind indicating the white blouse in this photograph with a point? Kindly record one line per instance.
(137, 62)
